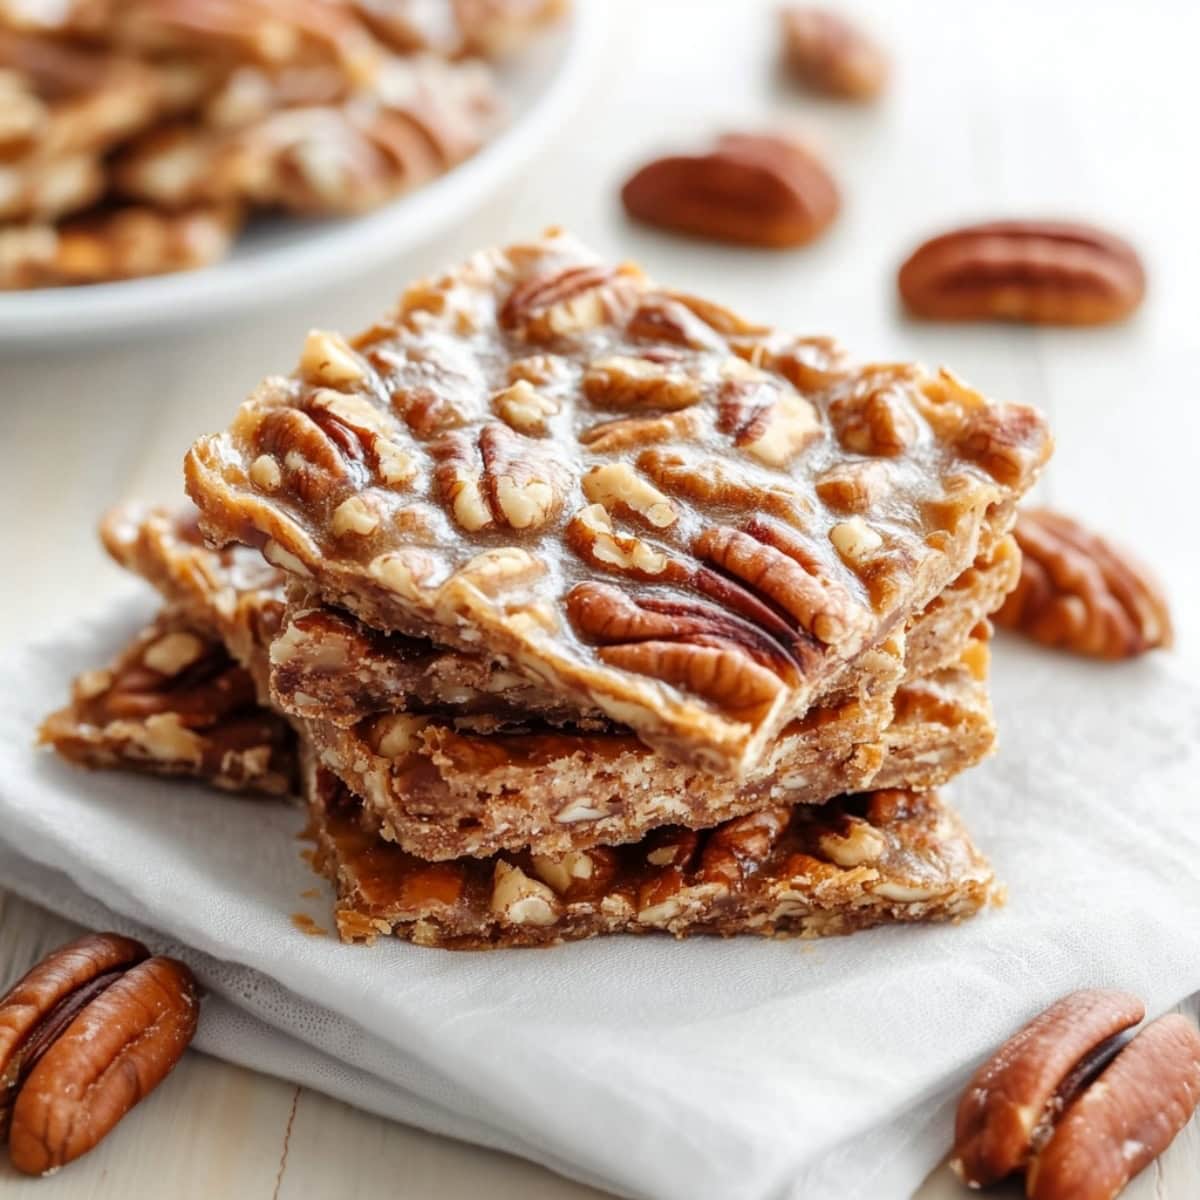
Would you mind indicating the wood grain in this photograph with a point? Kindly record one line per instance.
(994, 110)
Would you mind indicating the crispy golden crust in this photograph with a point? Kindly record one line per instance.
(642, 501)
(856, 862)
(441, 791)
(175, 703)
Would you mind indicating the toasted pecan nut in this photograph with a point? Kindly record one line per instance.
(1042, 272)
(1078, 592)
(36, 1002)
(1010, 1104)
(83, 1037)
(750, 188)
(829, 54)
(1125, 1120)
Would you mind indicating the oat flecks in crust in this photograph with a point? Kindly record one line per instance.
(808, 872)
(733, 504)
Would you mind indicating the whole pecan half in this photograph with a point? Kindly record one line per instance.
(755, 189)
(828, 54)
(1125, 1120)
(1044, 272)
(1080, 593)
(84, 1036)
(1009, 1106)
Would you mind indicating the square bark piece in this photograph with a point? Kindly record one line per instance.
(643, 502)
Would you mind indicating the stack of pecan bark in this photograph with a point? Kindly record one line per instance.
(571, 605)
(136, 136)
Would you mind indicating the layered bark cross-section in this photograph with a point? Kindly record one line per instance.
(639, 500)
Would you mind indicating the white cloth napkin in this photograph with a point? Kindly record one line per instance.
(739, 1069)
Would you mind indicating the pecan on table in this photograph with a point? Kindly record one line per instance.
(828, 54)
(88, 1032)
(1123, 1123)
(1008, 1108)
(1077, 1104)
(1078, 592)
(755, 189)
(1042, 272)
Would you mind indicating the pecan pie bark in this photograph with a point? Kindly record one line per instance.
(114, 244)
(274, 33)
(471, 772)
(859, 861)
(492, 28)
(416, 119)
(231, 594)
(355, 671)
(639, 499)
(175, 703)
(58, 99)
(327, 665)
(441, 789)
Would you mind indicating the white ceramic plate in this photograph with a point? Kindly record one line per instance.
(287, 257)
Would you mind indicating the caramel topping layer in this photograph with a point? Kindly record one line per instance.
(643, 501)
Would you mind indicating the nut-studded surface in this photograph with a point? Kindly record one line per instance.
(1081, 593)
(328, 666)
(687, 521)
(323, 663)
(809, 872)
(175, 703)
(122, 243)
(417, 118)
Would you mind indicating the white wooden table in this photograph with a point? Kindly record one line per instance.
(1032, 107)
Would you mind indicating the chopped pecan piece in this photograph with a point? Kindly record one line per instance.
(876, 421)
(751, 188)
(1078, 592)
